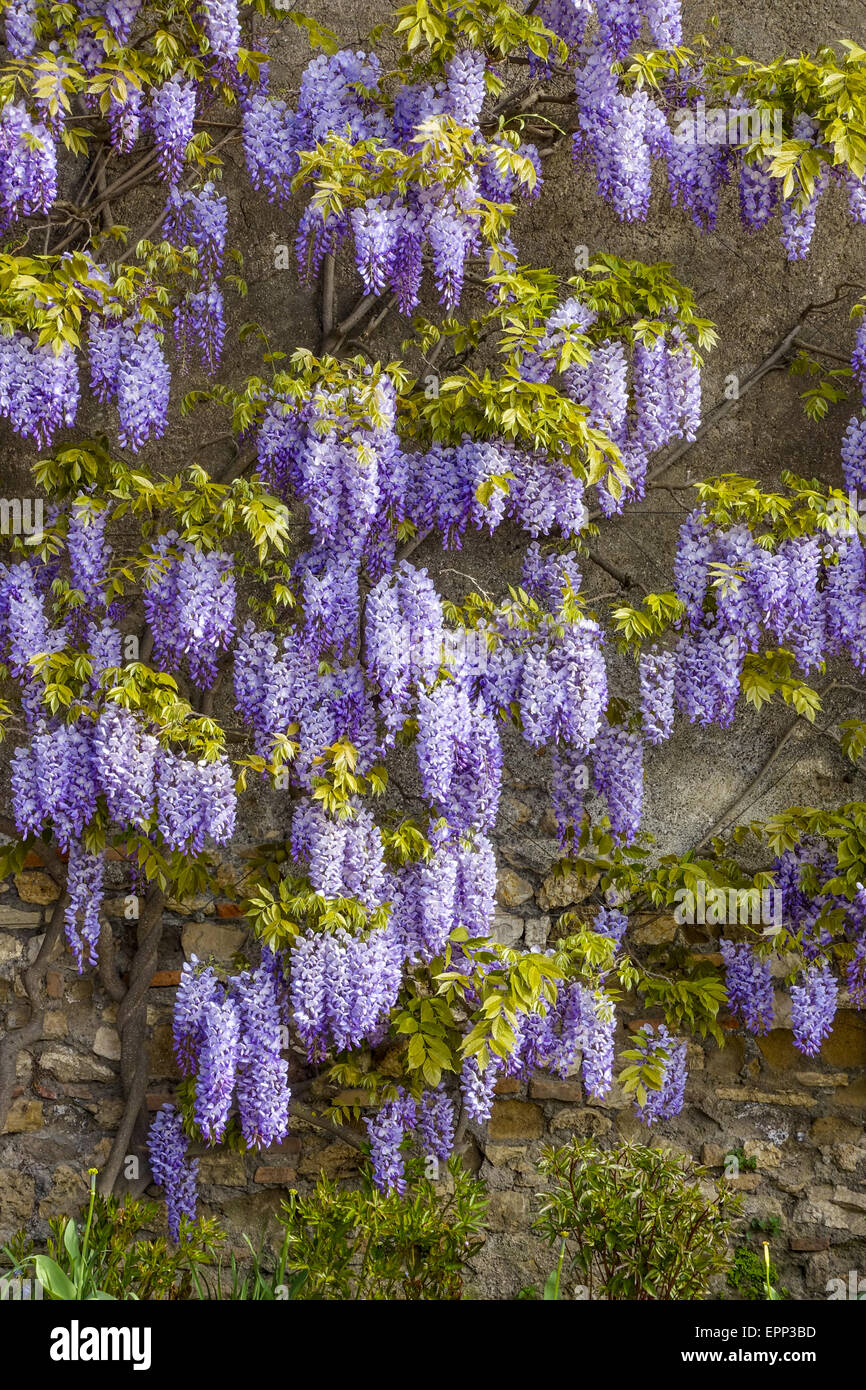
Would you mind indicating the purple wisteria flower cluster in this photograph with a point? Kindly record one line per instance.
(641, 408)
(28, 165)
(127, 364)
(431, 1120)
(230, 1036)
(854, 441)
(84, 887)
(278, 682)
(39, 388)
(803, 596)
(189, 602)
(170, 116)
(660, 1048)
(393, 231)
(813, 1007)
(200, 220)
(622, 130)
(59, 775)
(343, 987)
(750, 986)
(176, 1174)
(343, 856)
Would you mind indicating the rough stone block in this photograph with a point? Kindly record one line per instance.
(276, 1177)
(516, 1119)
(511, 889)
(223, 1170)
(536, 930)
(751, 1093)
(656, 933)
(507, 929)
(67, 1193)
(205, 939)
(66, 1065)
(17, 1196)
(107, 1043)
(23, 1117)
(34, 887)
(508, 1211)
(551, 1088)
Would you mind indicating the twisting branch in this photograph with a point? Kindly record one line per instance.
(31, 1031)
(333, 341)
(328, 268)
(320, 1122)
(132, 1027)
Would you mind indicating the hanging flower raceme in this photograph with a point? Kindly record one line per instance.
(197, 987)
(475, 886)
(89, 552)
(343, 857)
(263, 1090)
(229, 1036)
(459, 757)
(657, 674)
(759, 193)
(39, 388)
(28, 165)
(477, 1087)
(199, 324)
(697, 167)
(172, 1171)
(424, 905)
(563, 686)
(126, 756)
(199, 220)
(280, 684)
(189, 603)
(403, 631)
(439, 489)
(813, 1007)
(127, 364)
(436, 1123)
(121, 15)
(569, 784)
(343, 987)
(387, 1131)
(171, 117)
(320, 452)
(20, 24)
(620, 132)
(581, 1021)
(854, 455)
(750, 986)
(617, 763)
(195, 800)
(54, 781)
(661, 1049)
(798, 225)
(549, 580)
(217, 1064)
(124, 120)
(25, 629)
(223, 28)
(84, 886)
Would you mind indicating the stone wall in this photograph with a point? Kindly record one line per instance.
(800, 1121)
